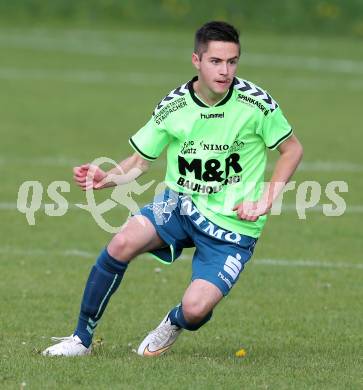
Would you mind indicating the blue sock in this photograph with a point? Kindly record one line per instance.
(103, 281)
(177, 318)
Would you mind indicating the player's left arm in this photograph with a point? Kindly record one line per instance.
(291, 152)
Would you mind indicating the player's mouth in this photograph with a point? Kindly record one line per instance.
(223, 82)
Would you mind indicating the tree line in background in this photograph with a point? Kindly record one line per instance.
(339, 17)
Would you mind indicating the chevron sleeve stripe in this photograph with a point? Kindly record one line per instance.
(252, 90)
(178, 92)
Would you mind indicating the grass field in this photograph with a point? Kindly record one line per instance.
(68, 96)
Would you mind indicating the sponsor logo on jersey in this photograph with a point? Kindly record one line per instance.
(214, 147)
(212, 116)
(236, 146)
(220, 148)
(172, 106)
(212, 169)
(251, 89)
(206, 189)
(188, 148)
(176, 93)
(252, 102)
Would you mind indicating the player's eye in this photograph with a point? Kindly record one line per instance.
(214, 61)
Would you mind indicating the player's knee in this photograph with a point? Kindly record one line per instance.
(120, 248)
(194, 311)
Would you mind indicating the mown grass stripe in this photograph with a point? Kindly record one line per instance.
(309, 263)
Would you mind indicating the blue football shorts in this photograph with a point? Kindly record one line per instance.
(220, 255)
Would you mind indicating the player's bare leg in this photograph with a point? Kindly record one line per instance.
(199, 299)
(198, 302)
(138, 235)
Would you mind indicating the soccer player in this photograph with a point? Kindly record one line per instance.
(217, 129)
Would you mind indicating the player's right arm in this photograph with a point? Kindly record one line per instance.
(148, 144)
(88, 176)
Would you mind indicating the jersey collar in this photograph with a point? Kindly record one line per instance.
(202, 104)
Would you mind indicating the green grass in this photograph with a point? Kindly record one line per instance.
(68, 96)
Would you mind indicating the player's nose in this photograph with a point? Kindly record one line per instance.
(223, 70)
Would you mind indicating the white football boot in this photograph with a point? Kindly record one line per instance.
(67, 346)
(159, 340)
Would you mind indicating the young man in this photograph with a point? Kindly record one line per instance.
(217, 128)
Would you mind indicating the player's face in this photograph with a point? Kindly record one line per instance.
(217, 67)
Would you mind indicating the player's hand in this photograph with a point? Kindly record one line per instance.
(250, 211)
(89, 176)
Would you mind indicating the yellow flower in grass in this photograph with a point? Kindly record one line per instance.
(241, 353)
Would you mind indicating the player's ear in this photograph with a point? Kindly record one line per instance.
(196, 61)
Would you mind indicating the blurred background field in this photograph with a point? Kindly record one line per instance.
(76, 80)
(286, 16)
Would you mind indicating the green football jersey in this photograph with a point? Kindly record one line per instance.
(217, 154)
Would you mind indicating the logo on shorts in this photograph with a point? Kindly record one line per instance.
(233, 266)
(162, 210)
(225, 280)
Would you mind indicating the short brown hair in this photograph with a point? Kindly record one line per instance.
(214, 31)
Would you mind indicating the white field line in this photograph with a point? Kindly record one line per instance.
(306, 263)
(84, 45)
(152, 79)
(328, 166)
(303, 62)
(290, 208)
(91, 76)
(43, 252)
(265, 262)
(95, 47)
(286, 208)
(314, 83)
(58, 161)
